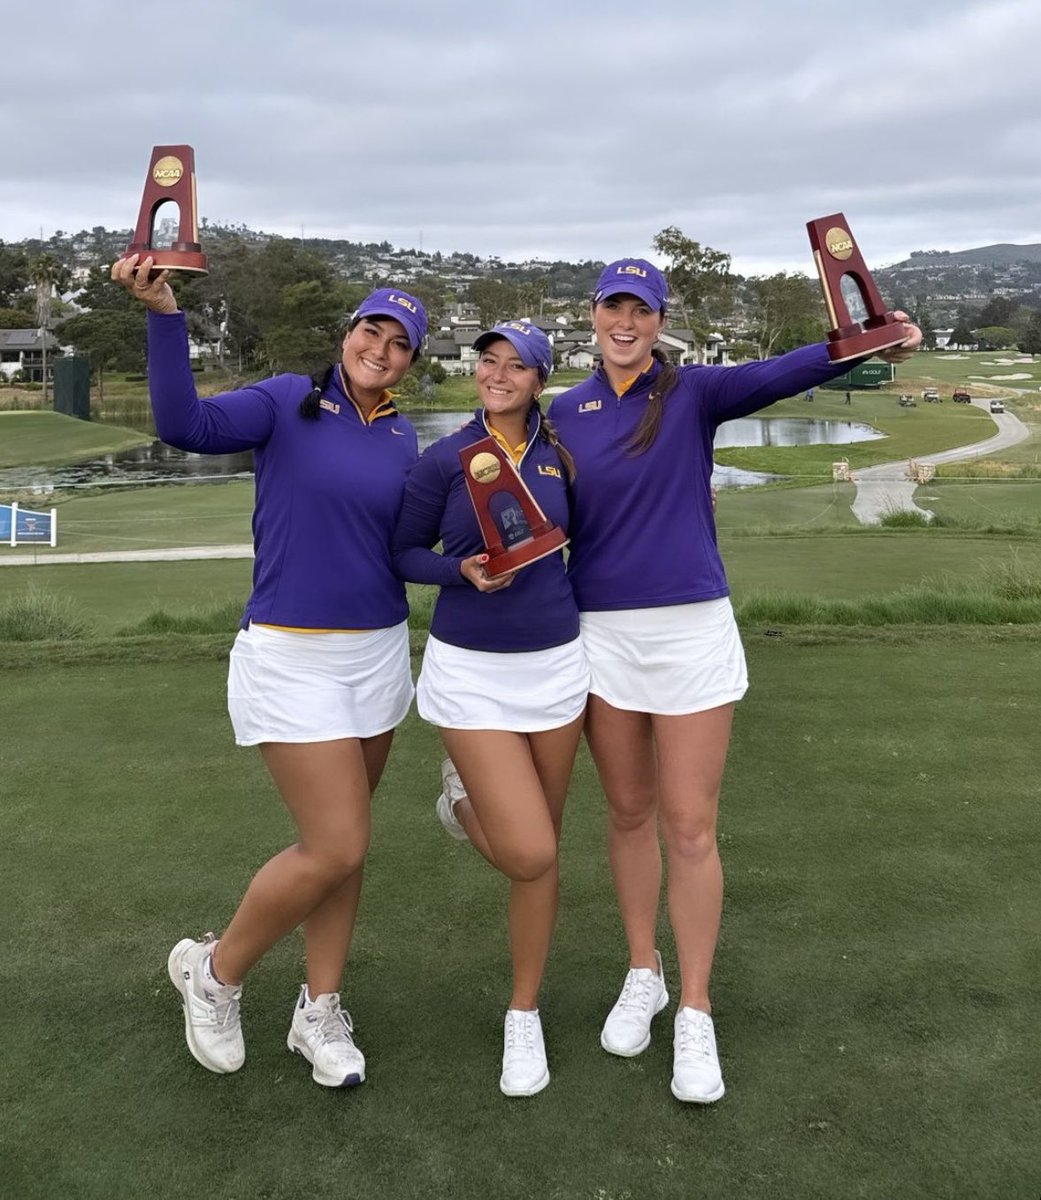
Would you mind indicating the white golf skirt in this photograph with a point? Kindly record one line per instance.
(316, 687)
(522, 692)
(679, 658)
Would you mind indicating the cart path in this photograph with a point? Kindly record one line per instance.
(886, 488)
(169, 554)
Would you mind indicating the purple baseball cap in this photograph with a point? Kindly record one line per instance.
(391, 302)
(528, 340)
(635, 277)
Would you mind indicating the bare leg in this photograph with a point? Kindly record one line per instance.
(517, 785)
(622, 746)
(692, 752)
(328, 930)
(325, 787)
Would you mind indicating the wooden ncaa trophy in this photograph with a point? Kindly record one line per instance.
(516, 531)
(171, 176)
(836, 255)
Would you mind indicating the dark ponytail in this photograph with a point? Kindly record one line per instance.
(650, 422)
(310, 406)
(548, 433)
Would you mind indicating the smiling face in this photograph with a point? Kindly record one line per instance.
(376, 355)
(626, 329)
(506, 387)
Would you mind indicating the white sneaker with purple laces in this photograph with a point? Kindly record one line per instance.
(211, 1009)
(323, 1033)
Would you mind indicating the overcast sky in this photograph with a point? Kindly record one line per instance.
(537, 129)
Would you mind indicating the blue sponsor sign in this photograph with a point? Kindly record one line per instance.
(21, 525)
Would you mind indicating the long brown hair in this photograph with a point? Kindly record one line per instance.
(650, 423)
(548, 433)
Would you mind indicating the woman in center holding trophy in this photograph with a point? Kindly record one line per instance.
(504, 675)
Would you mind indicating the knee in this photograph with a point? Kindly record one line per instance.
(336, 861)
(632, 812)
(525, 864)
(690, 839)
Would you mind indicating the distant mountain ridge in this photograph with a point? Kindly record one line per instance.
(1002, 254)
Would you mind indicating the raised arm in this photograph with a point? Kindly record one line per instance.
(234, 421)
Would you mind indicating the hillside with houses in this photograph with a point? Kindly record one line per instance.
(51, 290)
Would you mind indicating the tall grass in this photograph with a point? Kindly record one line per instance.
(222, 618)
(1012, 579)
(1007, 595)
(37, 615)
(905, 518)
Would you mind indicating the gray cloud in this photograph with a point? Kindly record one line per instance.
(576, 133)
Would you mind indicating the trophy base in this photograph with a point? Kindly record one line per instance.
(540, 546)
(187, 261)
(856, 341)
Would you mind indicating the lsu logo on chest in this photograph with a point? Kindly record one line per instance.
(590, 406)
(545, 469)
(328, 405)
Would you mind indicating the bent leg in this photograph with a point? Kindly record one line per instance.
(517, 785)
(692, 752)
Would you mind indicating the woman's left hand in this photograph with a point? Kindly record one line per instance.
(898, 354)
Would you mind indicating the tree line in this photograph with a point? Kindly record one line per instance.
(276, 304)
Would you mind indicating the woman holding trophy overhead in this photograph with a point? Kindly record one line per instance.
(319, 673)
(504, 676)
(664, 651)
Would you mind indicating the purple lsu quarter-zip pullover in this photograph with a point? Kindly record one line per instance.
(642, 529)
(538, 609)
(328, 491)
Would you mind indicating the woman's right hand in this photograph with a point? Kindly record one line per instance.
(155, 294)
(472, 569)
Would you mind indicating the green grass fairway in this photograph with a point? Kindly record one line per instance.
(189, 514)
(876, 990)
(826, 506)
(993, 368)
(909, 432)
(44, 438)
(846, 567)
(998, 503)
(114, 596)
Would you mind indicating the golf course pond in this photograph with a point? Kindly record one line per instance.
(158, 463)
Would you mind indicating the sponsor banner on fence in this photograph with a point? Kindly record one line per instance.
(20, 526)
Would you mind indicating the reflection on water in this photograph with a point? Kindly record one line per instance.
(792, 431)
(158, 463)
(155, 463)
